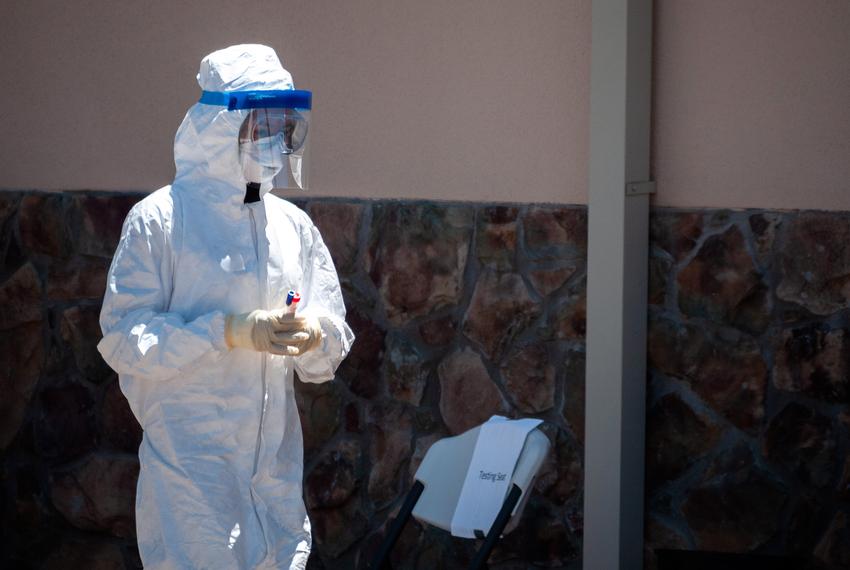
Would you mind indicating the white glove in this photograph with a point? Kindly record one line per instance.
(301, 333)
(256, 331)
(275, 332)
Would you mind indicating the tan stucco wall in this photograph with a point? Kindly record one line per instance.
(751, 103)
(475, 100)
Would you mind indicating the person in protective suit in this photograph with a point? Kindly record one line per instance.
(195, 323)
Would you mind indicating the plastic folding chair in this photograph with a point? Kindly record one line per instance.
(438, 483)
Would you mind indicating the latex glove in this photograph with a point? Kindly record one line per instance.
(258, 330)
(301, 333)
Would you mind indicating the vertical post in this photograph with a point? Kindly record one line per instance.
(615, 401)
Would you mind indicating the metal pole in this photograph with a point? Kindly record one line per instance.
(618, 220)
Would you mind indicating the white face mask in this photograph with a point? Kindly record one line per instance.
(261, 159)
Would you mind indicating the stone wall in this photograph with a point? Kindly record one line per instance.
(462, 311)
(749, 355)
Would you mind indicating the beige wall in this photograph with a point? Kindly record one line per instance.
(751, 103)
(471, 100)
(445, 99)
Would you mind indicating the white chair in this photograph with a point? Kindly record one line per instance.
(438, 483)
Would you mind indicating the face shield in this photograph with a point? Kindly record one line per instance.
(274, 136)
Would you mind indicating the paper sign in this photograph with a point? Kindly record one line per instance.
(500, 442)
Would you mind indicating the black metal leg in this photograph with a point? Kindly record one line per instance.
(382, 560)
(480, 560)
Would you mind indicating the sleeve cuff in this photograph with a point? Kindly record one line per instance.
(320, 364)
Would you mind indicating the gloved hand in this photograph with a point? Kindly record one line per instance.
(301, 333)
(258, 330)
(276, 332)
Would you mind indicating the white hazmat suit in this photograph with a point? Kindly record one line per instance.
(222, 452)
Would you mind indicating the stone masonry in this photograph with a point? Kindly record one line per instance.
(747, 418)
(432, 359)
(462, 311)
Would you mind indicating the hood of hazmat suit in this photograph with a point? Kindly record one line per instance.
(222, 453)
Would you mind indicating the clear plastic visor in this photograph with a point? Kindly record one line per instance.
(273, 146)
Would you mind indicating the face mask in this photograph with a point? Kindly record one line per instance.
(261, 159)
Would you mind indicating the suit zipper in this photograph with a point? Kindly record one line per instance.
(262, 288)
(261, 278)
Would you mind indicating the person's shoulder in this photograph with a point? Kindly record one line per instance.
(157, 201)
(296, 214)
(155, 208)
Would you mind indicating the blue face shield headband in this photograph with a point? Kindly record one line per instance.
(273, 136)
(233, 100)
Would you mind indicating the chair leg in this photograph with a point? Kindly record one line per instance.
(480, 560)
(382, 560)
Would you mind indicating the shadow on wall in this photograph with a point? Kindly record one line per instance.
(691, 560)
(462, 311)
